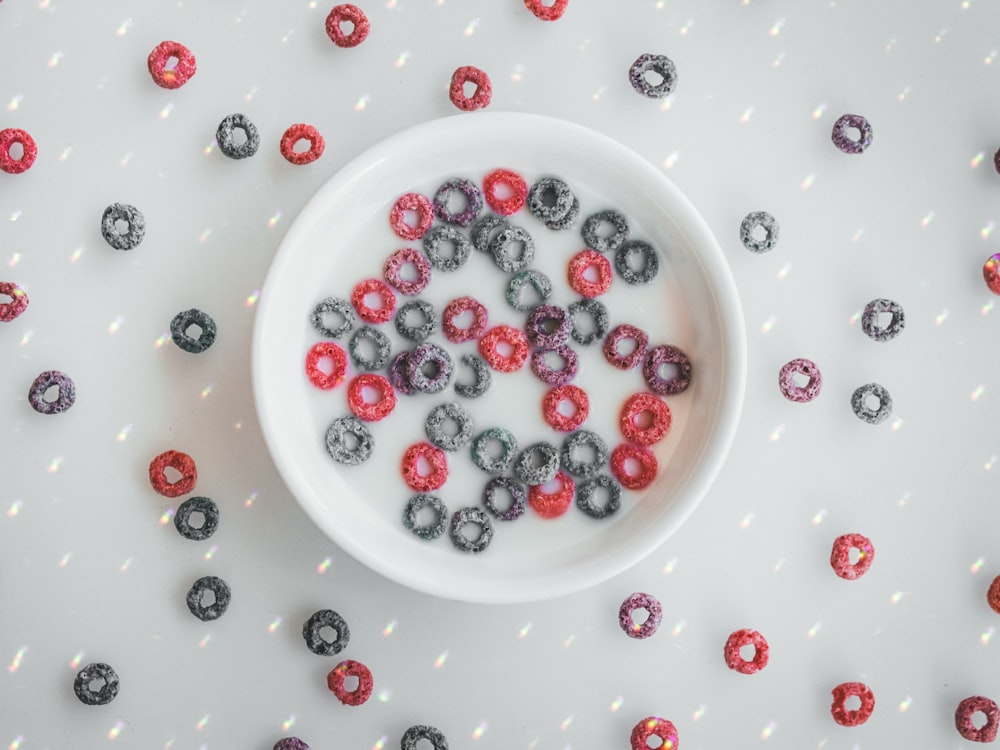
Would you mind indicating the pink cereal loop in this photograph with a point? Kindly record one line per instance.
(794, 392)
(963, 719)
(18, 301)
(8, 138)
(545, 12)
(176, 77)
(840, 556)
(650, 726)
(421, 206)
(739, 639)
(392, 271)
(991, 272)
(484, 88)
(353, 15)
(634, 602)
(300, 131)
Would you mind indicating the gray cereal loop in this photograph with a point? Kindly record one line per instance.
(584, 453)
(537, 464)
(444, 234)
(470, 516)
(648, 265)
(340, 309)
(183, 322)
(599, 321)
(225, 136)
(863, 411)
(504, 246)
(427, 531)
(596, 239)
(431, 357)
(418, 732)
(422, 310)
(871, 325)
(568, 219)
(483, 456)
(195, 598)
(313, 633)
(485, 229)
(482, 378)
(209, 512)
(128, 237)
(437, 423)
(365, 337)
(516, 491)
(92, 694)
(657, 64)
(551, 200)
(521, 282)
(587, 493)
(764, 221)
(349, 441)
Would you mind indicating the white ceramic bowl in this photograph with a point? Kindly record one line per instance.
(343, 235)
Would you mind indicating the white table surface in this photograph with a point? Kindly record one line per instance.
(92, 570)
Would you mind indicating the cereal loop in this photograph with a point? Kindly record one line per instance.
(843, 139)
(454, 310)
(504, 336)
(429, 368)
(392, 271)
(18, 301)
(420, 206)
(9, 137)
(840, 556)
(839, 710)
(397, 374)
(583, 454)
(547, 327)
(873, 327)
(739, 639)
(326, 351)
(357, 398)
(635, 466)
(513, 183)
(290, 743)
(387, 301)
(791, 390)
(653, 365)
(569, 364)
(634, 603)
(767, 224)
(664, 75)
(472, 202)
(483, 91)
(644, 419)
(178, 461)
(993, 595)
(225, 136)
(462, 519)
(412, 736)
(315, 629)
(337, 678)
(991, 272)
(588, 263)
(429, 529)
(65, 392)
(967, 709)
(552, 504)
(613, 353)
(565, 407)
(171, 78)
(864, 412)
(208, 608)
(353, 15)
(545, 12)
(302, 132)
(183, 323)
(589, 488)
(424, 467)
(654, 726)
(92, 674)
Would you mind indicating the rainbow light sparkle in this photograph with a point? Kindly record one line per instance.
(807, 182)
(671, 159)
(250, 499)
(125, 565)
(905, 704)
(987, 308)
(253, 298)
(902, 501)
(116, 324)
(15, 508)
(163, 339)
(776, 433)
(746, 115)
(617, 703)
(666, 105)
(54, 60)
(26, 337)
(401, 60)
(116, 730)
(480, 730)
(205, 235)
(989, 58)
(15, 258)
(776, 62)
(123, 29)
(206, 391)
(64, 560)
(896, 425)
(18, 659)
(165, 112)
(288, 723)
(471, 28)
(976, 160)
(784, 271)
(16, 743)
(818, 112)
(324, 566)
(778, 565)
(699, 712)
(250, 94)
(204, 641)
(746, 520)
(209, 148)
(564, 725)
(985, 637)
(777, 27)
(123, 433)
(524, 631)
(126, 159)
(688, 25)
(678, 628)
(76, 254)
(15, 102)
(979, 391)
(273, 221)
(439, 662)
(857, 235)
(569, 641)
(55, 464)
(362, 102)
(928, 218)
(818, 518)
(811, 633)
(517, 75)
(167, 515)
(941, 317)
(897, 597)
(211, 552)
(273, 627)
(202, 723)
(768, 730)
(669, 566)
(988, 466)
(901, 97)
(380, 743)
(390, 628)
(769, 324)
(596, 96)
(14, 217)
(384, 695)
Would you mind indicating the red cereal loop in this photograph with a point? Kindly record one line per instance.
(739, 639)
(612, 349)
(392, 271)
(338, 676)
(965, 725)
(552, 504)
(545, 12)
(654, 726)
(851, 718)
(357, 401)
(369, 314)
(454, 309)
(582, 262)
(326, 350)
(482, 95)
(18, 301)
(413, 466)
(644, 419)
(553, 400)
(509, 336)
(514, 183)
(347, 13)
(634, 466)
(993, 595)
(840, 556)
(181, 462)
(29, 150)
(171, 78)
(302, 132)
(419, 205)
(991, 271)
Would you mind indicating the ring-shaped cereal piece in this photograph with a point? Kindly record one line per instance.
(337, 678)
(519, 284)
(380, 344)
(506, 336)
(625, 458)
(551, 200)
(347, 13)
(462, 519)
(478, 78)
(424, 311)
(290, 743)
(646, 272)
(484, 229)
(971, 706)
(547, 327)
(589, 261)
(599, 321)
(613, 353)
(349, 441)
(417, 204)
(171, 78)
(840, 556)
(588, 488)
(569, 364)
(135, 226)
(554, 413)
(447, 234)
(397, 374)
(92, 674)
(650, 726)
(300, 131)
(842, 138)
(503, 249)
(552, 504)
(793, 391)
(595, 239)
(482, 379)
(326, 351)
(18, 301)
(545, 12)
(341, 309)
(454, 310)
(357, 401)
(739, 639)
(513, 183)
(584, 467)
(225, 136)
(418, 732)
(210, 518)
(429, 368)
(65, 392)
(568, 219)
(666, 354)
(415, 458)
(993, 595)
(207, 611)
(472, 199)
(991, 272)
(514, 489)
(429, 530)
(183, 322)
(368, 313)
(852, 718)
(644, 419)
(634, 603)
(449, 414)
(871, 325)
(315, 628)
(392, 271)
(485, 458)
(9, 137)
(767, 223)
(537, 464)
(659, 65)
(859, 403)
(180, 462)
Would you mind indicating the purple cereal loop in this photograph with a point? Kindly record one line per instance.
(290, 743)
(18, 301)
(535, 326)
(562, 376)
(394, 264)
(666, 354)
(473, 202)
(793, 392)
(644, 601)
(47, 379)
(844, 142)
(615, 336)
(397, 374)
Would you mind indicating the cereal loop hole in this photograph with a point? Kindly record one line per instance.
(206, 598)
(16, 150)
(748, 651)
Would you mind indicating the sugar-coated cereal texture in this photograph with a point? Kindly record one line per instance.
(792, 390)
(386, 297)
(465, 517)
(589, 490)
(659, 65)
(580, 264)
(861, 408)
(626, 453)
(482, 378)
(392, 271)
(626, 615)
(419, 205)
(454, 309)
(440, 236)
(337, 677)
(512, 248)
(852, 718)
(171, 78)
(429, 356)
(365, 337)
(569, 364)
(550, 200)
(991, 272)
(439, 426)
(65, 390)
(966, 726)
(418, 732)
(614, 354)
(555, 503)
(594, 235)
(326, 350)
(842, 138)
(341, 437)
(597, 314)
(301, 131)
(338, 308)
(183, 322)
(547, 327)
(415, 505)
(577, 400)
(416, 331)
(547, 11)
(290, 743)
(209, 512)
(522, 284)
(18, 301)
(513, 182)
(767, 223)
(650, 726)
(644, 419)
(537, 464)
(482, 456)
(516, 491)
(871, 324)
(347, 13)
(504, 334)
(225, 136)
(410, 466)
(472, 200)
(178, 461)
(641, 272)
(96, 672)
(483, 88)
(29, 151)
(584, 453)
(993, 595)
(736, 641)
(362, 408)
(132, 235)
(196, 598)
(840, 556)
(666, 354)
(485, 229)
(312, 632)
